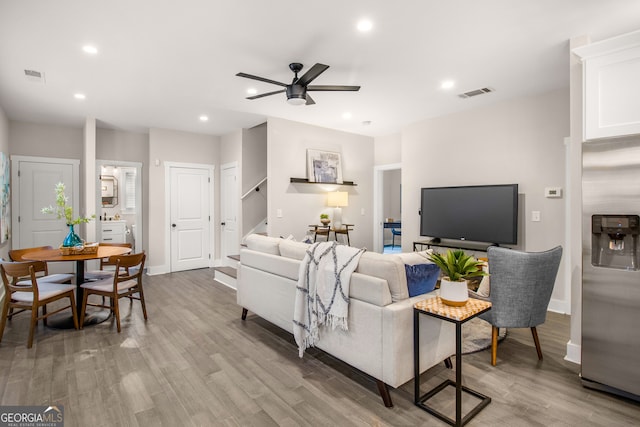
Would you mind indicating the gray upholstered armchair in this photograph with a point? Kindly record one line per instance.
(521, 286)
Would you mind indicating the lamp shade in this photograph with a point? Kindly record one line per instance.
(338, 199)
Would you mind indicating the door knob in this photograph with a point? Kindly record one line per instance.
(173, 225)
(223, 223)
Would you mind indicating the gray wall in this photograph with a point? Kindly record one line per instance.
(178, 147)
(254, 170)
(518, 141)
(128, 147)
(4, 147)
(42, 140)
(302, 204)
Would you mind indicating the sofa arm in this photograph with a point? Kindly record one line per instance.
(437, 340)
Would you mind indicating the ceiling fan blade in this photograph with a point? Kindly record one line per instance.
(265, 94)
(262, 79)
(310, 100)
(311, 74)
(332, 88)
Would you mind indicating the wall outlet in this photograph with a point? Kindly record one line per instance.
(535, 216)
(362, 211)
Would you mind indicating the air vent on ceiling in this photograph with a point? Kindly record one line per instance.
(34, 76)
(476, 92)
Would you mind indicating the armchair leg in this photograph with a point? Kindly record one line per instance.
(244, 313)
(383, 389)
(534, 332)
(494, 344)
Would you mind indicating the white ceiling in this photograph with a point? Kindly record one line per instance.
(163, 63)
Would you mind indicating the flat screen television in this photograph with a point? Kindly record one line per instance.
(479, 213)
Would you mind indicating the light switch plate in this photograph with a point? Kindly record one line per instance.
(535, 216)
(279, 213)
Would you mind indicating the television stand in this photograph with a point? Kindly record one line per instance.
(452, 244)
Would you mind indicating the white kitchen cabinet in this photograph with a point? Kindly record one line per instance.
(611, 86)
(113, 231)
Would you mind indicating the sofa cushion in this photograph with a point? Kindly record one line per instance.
(292, 249)
(421, 278)
(388, 267)
(413, 258)
(260, 243)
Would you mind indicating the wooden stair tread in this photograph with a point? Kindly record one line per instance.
(229, 271)
(234, 257)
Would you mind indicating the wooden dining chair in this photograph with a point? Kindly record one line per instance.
(126, 284)
(31, 295)
(104, 262)
(42, 270)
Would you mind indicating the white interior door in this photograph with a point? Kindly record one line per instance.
(189, 218)
(34, 184)
(229, 212)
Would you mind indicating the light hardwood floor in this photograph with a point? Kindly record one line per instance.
(194, 362)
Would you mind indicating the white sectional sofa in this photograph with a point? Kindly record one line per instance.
(379, 341)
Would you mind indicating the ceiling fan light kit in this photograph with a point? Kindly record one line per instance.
(297, 91)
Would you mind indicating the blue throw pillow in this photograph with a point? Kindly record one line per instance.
(421, 278)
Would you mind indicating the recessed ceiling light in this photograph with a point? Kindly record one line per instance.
(204, 118)
(252, 91)
(80, 96)
(447, 84)
(346, 115)
(91, 50)
(365, 25)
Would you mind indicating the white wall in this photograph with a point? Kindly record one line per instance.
(518, 141)
(302, 204)
(178, 147)
(387, 149)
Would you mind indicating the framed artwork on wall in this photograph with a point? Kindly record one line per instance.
(5, 196)
(324, 166)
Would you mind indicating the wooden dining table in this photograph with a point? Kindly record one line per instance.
(55, 255)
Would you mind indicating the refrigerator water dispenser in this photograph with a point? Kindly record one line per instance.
(614, 241)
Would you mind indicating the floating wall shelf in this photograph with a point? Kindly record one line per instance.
(306, 181)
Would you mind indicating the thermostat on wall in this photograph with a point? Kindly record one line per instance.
(553, 192)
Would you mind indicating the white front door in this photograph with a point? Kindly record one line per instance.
(229, 212)
(189, 218)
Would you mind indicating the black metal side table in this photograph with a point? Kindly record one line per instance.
(458, 315)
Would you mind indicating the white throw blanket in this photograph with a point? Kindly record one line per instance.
(322, 293)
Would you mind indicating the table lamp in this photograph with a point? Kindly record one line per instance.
(338, 199)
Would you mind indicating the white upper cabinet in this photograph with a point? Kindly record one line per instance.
(611, 86)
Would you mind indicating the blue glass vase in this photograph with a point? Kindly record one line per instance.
(72, 238)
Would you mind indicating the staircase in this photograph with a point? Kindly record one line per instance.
(227, 275)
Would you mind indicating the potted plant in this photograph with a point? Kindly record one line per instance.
(456, 268)
(62, 210)
(324, 219)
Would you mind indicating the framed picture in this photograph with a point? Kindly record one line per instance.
(324, 166)
(5, 197)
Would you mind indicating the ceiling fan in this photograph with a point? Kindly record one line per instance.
(297, 90)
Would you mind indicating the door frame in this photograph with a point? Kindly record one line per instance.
(378, 200)
(15, 189)
(139, 213)
(221, 259)
(167, 208)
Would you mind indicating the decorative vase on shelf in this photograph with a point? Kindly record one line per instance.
(72, 238)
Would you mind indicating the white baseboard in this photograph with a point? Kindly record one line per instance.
(157, 269)
(559, 306)
(574, 353)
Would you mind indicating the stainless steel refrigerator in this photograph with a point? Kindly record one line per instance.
(611, 266)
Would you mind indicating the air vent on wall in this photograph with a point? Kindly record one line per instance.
(476, 92)
(34, 76)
